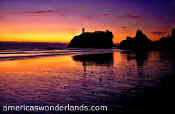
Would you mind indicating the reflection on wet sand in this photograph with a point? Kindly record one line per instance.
(140, 58)
(110, 79)
(94, 60)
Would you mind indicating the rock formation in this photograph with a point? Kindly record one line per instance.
(139, 43)
(97, 39)
(165, 43)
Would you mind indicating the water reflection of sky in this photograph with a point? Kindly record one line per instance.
(80, 79)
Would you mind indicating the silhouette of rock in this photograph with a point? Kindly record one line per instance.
(173, 37)
(165, 43)
(139, 43)
(97, 39)
(173, 33)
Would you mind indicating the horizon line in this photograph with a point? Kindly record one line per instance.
(32, 42)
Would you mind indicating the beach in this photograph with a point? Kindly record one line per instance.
(107, 77)
(87, 56)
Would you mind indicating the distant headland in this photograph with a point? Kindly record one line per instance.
(97, 39)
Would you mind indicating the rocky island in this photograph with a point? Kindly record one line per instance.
(97, 39)
(166, 43)
(139, 43)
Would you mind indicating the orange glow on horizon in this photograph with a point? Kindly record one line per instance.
(53, 33)
(60, 23)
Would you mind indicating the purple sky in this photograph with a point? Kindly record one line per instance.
(58, 17)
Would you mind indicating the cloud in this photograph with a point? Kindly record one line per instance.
(159, 33)
(40, 12)
(124, 27)
(130, 16)
(70, 10)
(94, 16)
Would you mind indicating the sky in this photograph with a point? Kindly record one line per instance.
(60, 20)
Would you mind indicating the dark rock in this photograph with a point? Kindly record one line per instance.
(165, 43)
(173, 33)
(97, 39)
(139, 43)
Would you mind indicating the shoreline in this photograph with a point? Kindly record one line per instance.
(15, 54)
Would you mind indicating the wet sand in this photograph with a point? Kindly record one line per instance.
(124, 81)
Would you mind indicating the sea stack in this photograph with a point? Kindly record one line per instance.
(97, 39)
(139, 43)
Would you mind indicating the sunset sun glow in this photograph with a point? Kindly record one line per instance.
(59, 21)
